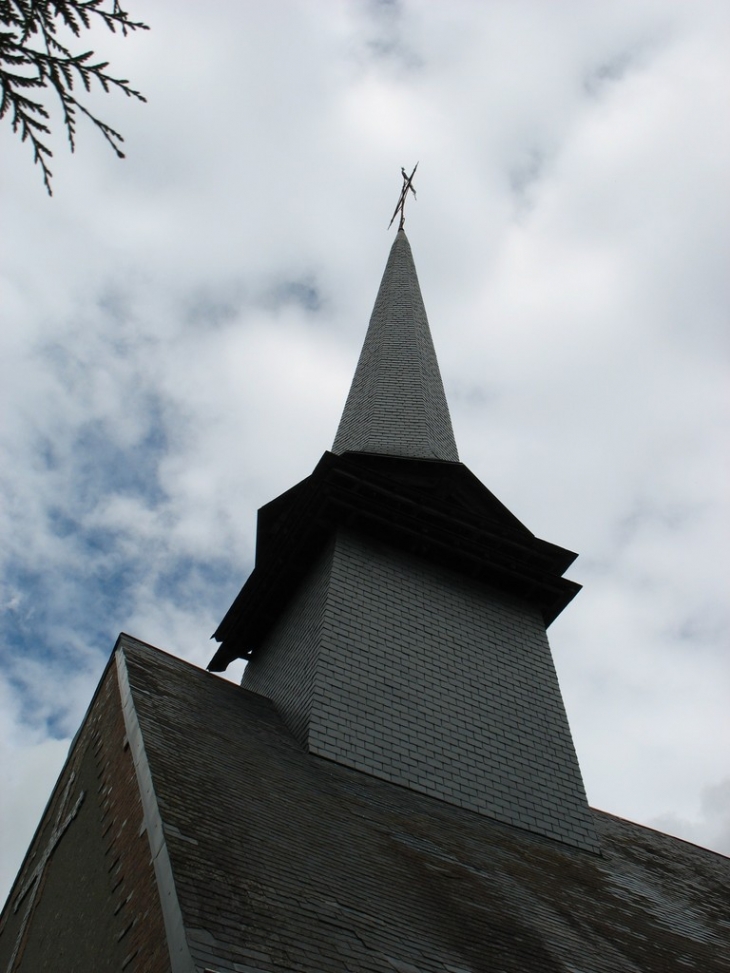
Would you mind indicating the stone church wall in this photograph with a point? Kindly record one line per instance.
(92, 903)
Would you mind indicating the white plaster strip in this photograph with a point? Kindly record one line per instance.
(180, 958)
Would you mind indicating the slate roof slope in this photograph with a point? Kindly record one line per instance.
(397, 405)
(284, 861)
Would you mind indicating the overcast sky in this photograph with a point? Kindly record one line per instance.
(179, 331)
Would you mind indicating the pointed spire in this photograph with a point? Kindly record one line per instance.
(396, 403)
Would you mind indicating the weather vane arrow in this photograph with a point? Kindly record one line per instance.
(401, 207)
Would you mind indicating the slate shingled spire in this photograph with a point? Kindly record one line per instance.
(397, 405)
(397, 612)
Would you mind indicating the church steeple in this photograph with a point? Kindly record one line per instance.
(397, 405)
(397, 612)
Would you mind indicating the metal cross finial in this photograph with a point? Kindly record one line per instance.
(401, 207)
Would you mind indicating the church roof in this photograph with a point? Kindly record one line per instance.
(285, 861)
(397, 404)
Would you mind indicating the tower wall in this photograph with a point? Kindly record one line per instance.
(392, 665)
(285, 667)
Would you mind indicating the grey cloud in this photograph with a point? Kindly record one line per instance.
(711, 826)
(212, 306)
(301, 293)
(611, 71)
(388, 35)
(524, 177)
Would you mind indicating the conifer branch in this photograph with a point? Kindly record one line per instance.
(35, 61)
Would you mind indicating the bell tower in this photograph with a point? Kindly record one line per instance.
(397, 611)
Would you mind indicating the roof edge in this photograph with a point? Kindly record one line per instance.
(663, 834)
(181, 960)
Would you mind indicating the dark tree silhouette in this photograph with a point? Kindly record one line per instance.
(35, 63)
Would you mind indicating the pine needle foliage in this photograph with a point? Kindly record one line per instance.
(35, 63)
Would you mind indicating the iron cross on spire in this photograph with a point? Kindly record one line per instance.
(401, 207)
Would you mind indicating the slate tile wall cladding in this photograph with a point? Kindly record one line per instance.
(285, 670)
(397, 403)
(429, 680)
(391, 665)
